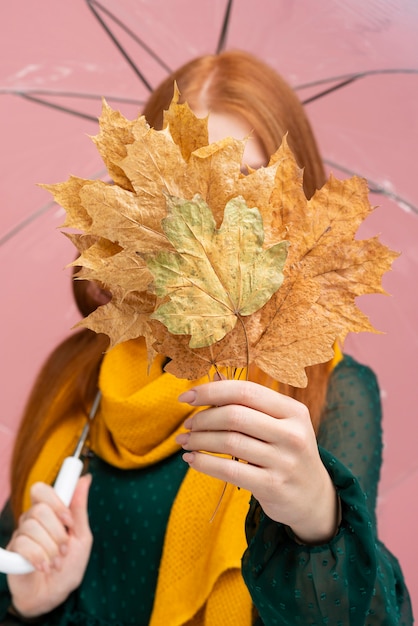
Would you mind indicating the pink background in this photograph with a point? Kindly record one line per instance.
(369, 127)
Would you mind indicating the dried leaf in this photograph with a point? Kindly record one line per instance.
(179, 119)
(67, 195)
(128, 317)
(108, 263)
(200, 272)
(216, 276)
(116, 133)
(325, 257)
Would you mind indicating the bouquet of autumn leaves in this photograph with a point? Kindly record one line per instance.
(212, 267)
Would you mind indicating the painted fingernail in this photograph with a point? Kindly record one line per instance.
(188, 396)
(183, 438)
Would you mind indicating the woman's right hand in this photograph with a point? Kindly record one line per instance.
(57, 541)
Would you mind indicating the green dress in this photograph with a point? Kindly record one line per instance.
(351, 581)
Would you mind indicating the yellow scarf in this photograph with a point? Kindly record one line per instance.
(200, 581)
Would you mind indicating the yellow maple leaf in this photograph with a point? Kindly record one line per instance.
(183, 291)
(215, 276)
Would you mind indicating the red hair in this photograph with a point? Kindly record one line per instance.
(236, 82)
(231, 82)
(240, 84)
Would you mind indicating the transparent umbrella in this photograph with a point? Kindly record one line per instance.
(354, 65)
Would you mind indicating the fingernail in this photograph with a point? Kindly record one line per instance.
(188, 396)
(188, 423)
(183, 438)
(63, 549)
(188, 457)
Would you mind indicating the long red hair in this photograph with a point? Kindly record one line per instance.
(238, 83)
(231, 82)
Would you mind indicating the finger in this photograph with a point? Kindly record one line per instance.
(43, 493)
(236, 418)
(232, 471)
(34, 543)
(230, 443)
(245, 393)
(41, 515)
(79, 506)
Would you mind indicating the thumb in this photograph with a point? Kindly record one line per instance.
(79, 502)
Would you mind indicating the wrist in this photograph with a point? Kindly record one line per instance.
(322, 525)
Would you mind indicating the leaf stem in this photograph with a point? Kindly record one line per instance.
(247, 346)
(219, 502)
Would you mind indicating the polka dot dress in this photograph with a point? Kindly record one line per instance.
(129, 511)
(351, 581)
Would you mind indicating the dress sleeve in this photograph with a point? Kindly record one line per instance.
(353, 580)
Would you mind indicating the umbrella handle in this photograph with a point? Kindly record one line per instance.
(70, 472)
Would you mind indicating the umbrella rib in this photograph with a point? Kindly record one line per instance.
(224, 29)
(21, 225)
(325, 92)
(32, 94)
(347, 79)
(34, 216)
(385, 70)
(92, 4)
(69, 94)
(57, 107)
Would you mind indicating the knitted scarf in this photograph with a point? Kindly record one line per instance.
(200, 582)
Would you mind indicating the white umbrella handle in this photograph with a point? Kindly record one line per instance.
(70, 472)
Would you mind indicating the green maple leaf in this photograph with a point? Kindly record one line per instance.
(215, 276)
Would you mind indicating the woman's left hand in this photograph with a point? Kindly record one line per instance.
(272, 436)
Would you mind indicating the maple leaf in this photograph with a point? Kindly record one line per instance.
(116, 134)
(216, 276)
(128, 318)
(214, 268)
(180, 118)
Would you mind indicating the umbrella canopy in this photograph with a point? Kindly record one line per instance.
(360, 58)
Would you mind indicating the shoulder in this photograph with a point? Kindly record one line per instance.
(353, 397)
(351, 374)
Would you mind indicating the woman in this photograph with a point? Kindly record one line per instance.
(310, 553)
